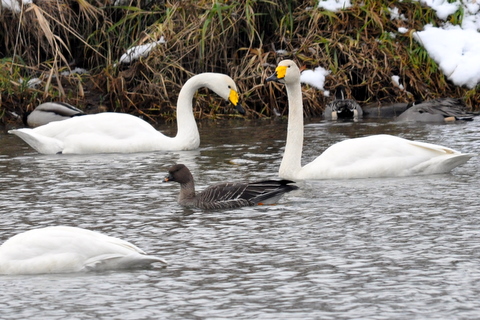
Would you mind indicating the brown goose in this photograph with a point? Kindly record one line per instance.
(229, 194)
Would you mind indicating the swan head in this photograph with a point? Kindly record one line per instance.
(286, 72)
(225, 87)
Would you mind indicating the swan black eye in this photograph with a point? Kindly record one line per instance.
(229, 87)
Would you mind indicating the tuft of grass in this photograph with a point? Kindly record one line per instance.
(244, 39)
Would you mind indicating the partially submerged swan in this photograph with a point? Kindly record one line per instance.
(372, 156)
(228, 194)
(342, 108)
(123, 133)
(49, 112)
(62, 249)
(437, 110)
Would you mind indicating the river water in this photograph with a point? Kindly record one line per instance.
(396, 248)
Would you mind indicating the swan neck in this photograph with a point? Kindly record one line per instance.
(186, 124)
(291, 162)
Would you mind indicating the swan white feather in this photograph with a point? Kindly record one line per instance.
(372, 156)
(62, 249)
(124, 133)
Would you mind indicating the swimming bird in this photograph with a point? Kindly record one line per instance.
(62, 249)
(110, 132)
(376, 111)
(342, 108)
(372, 156)
(437, 110)
(229, 194)
(49, 112)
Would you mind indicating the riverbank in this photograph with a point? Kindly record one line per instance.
(135, 56)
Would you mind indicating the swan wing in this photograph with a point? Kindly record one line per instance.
(382, 156)
(98, 133)
(68, 249)
(42, 144)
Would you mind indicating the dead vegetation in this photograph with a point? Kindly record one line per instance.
(360, 45)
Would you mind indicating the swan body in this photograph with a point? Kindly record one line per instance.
(229, 194)
(436, 110)
(123, 133)
(62, 249)
(49, 112)
(372, 156)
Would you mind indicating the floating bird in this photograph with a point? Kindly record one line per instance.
(229, 194)
(110, 132)
(49, 112)
(372, 156)
(437, 110)
(62, 249)
(376, 111)
(342, 108)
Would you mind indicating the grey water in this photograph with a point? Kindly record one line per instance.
(396, 248)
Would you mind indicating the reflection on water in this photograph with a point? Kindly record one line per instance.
(371, 248)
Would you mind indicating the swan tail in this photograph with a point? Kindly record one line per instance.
(442, 164)
(42, 144)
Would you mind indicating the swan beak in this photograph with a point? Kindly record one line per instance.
(240, 109)
(233, 98)
(279, 74)
(168, 178)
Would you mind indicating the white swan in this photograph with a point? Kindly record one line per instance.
(123, 133)
(372, 156)
(63, 249)
(49, 112)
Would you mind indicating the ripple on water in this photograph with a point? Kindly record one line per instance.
(372, 248)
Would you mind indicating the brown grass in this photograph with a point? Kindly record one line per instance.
(239, 38)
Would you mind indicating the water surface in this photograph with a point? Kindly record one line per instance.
(393, 248)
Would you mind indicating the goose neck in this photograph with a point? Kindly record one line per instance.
(187, 192)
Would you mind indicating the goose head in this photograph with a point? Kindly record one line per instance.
(287, 72)
(178, 173)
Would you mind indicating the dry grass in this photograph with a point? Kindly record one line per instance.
(239, 38)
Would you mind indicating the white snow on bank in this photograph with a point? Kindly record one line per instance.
(138, 52)
(74, 71)
(315, 78)
(456, 49)
(15, 5)
(334, 5)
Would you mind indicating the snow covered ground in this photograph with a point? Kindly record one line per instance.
(455, 48)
